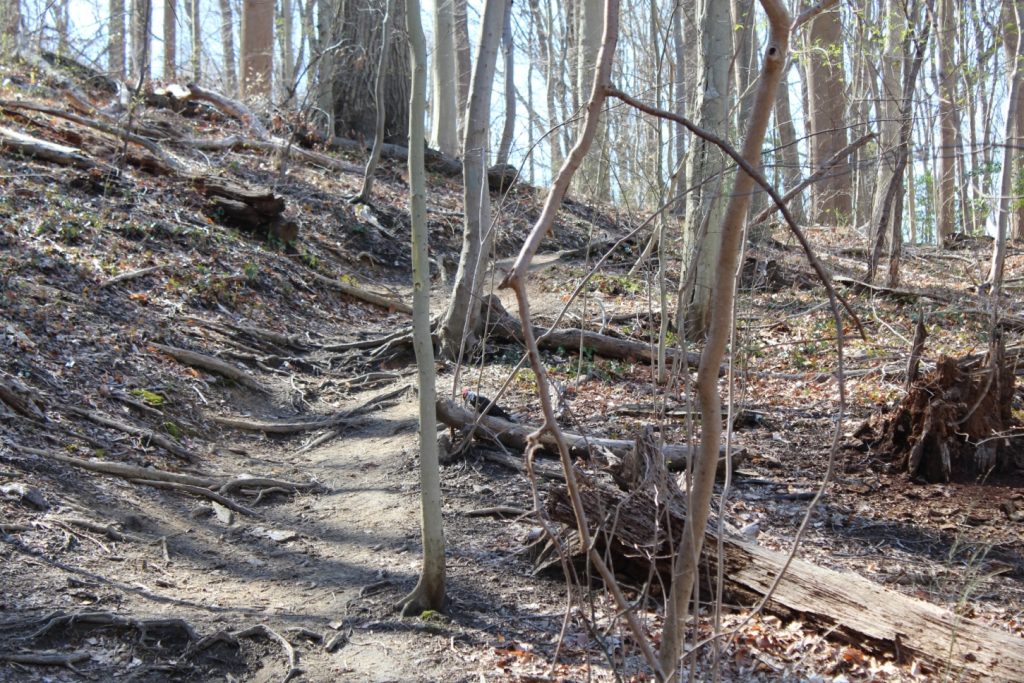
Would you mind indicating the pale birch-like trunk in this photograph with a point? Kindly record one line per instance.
(462, 318)
(444, 98)
(286, 21)
(429, 593)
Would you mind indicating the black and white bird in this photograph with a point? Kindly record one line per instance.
(481, 404)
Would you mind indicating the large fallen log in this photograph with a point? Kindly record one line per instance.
(855, 609)
(513, 435)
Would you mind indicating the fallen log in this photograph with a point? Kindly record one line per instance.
(260, 212)
(506, 327)
(514, 435)
(13, 141)
(632, 527)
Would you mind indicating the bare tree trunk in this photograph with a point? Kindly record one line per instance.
(286, 85)
(196, 32)
(544, 42)
(686, 562)
(257, 56)
(1014, 141)
(170, 40)
(706, 169)
(1014, 8)
(463, 63)
(832, 198)
(429, 593)
(328, 13)
(508, 52)
(10, 26)
(788, 148)
(355, 73)
(61, 25)
(593, 177)
(142, 13)
(115, 48)
(889, 115)
(948, 126)
(462, 318)
(444, 101)
(378, 97)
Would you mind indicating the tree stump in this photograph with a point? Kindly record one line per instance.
(259, 212)
(943, 429)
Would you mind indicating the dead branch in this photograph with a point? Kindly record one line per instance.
(201, 360)
(123, 470)
(274, 145)
(131, 275)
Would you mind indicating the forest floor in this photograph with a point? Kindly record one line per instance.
(112, 574)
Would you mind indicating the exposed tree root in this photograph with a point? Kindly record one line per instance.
(201, 360)
(150, 436)
(231, 637)
(45, 658)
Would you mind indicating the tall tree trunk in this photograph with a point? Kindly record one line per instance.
(355, 74)
(257, 56)
(328, 16)
(593, 177)
(378, 99)
(1015, 133)
(286, 86)
(508, 53)
(680, 92)
(115, 47)
(544, 42)
(227, 43)
(788, 150)
(707, 167)
(832, 197)
(889, 113)
(463, 63)
(945, 36)
(1014, 9)
(62, 25)
(10, 26)
(444, 100)
(196, 33)
(684, 567)
(142, 12)
(429, 593)
(462, 318)
(170, 40)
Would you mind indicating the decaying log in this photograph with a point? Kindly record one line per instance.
(13, 141)
(257, 211)
(946, 426)
(513, 435)
(850, 606)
